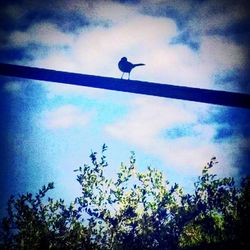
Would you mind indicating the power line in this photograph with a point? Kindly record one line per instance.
(138, 87)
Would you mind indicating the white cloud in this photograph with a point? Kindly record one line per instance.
(64, 117)
(215, 15)
(40, 33)
(150, 117)
(111, 11)
(96, 49)
(59, 60)
(220, 54)
(70, 91)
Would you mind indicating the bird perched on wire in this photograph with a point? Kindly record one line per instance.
(125, 66)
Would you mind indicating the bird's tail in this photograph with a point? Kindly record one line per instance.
(138, 64)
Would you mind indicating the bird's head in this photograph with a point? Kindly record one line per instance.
(124, 58)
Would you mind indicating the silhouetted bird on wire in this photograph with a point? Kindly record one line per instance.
(126, 66)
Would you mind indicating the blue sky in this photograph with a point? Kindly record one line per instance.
(48, 129)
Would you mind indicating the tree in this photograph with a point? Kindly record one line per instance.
(130, 211)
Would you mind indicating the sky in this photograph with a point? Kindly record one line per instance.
(49, 129)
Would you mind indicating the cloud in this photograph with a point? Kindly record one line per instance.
(199, 18)
(118, 30)
(147, 118)
(64, 117)
(70, 91)
(214, 15)
(111, 11)
(221, 54)
(44, 33)
(151, 118)
(99, 49)
(96, 48)
(158, 35)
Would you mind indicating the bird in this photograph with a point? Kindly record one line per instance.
(125, 66)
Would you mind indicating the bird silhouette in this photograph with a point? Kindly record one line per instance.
(125, 66)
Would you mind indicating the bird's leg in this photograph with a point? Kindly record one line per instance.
(122, 75)
(129, 76)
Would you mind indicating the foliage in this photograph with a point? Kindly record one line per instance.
(133, 210)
